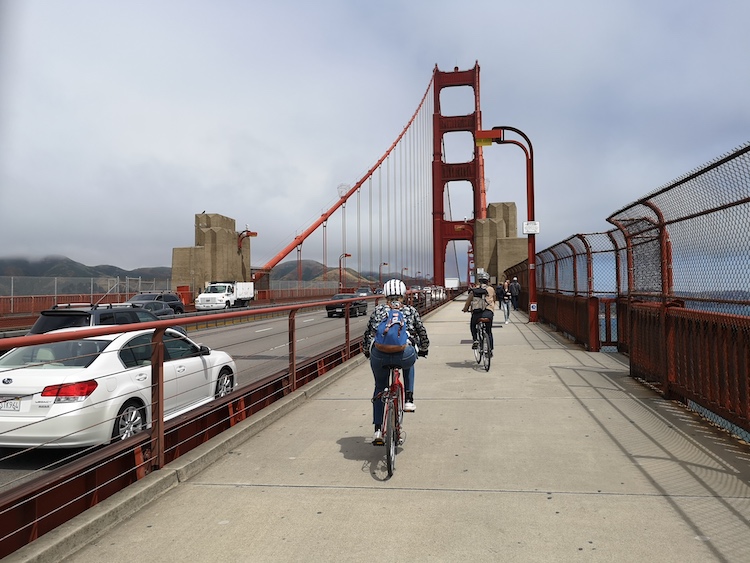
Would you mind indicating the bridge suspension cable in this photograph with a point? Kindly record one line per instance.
(392, 221)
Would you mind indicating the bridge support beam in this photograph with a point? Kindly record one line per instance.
(443, 230)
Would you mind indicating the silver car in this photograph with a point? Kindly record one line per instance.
(94, 390)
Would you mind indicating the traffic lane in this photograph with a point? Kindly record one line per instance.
(261, 348)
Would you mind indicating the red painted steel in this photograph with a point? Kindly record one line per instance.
(444, 231)
(40, 505)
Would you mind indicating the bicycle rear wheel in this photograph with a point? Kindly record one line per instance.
(486, 352)
(391, 440)
(478, 349)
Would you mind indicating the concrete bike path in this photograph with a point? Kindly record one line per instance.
(555, 454)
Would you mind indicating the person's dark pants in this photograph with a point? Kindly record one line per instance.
(475, 315)
(379, 362)
(514, 302)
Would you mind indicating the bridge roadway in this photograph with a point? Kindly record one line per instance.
(556, 454)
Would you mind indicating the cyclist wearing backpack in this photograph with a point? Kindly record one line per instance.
(481, 303)
(395, 335)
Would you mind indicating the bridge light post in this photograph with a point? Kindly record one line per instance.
(402, 273)
(246, 234)
(341, 270)
(380, 272)
(531, 226)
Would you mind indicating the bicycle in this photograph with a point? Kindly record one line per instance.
(393, 416)
(482, 353)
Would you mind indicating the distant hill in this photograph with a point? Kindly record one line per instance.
(316, 271)
(62, 267)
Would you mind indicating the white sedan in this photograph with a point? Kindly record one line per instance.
(94, 390)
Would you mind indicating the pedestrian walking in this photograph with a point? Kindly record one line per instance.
(515, 291)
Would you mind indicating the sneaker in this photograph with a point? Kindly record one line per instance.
(409, 406)
(377, 438)
(474, 345)
(507, 322)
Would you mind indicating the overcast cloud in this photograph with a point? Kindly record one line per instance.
(121, 120)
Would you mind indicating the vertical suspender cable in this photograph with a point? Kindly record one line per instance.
(380, 216)
(369, 220)
(359, 235)
(388, 208)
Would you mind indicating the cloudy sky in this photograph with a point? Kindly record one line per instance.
(119, 121)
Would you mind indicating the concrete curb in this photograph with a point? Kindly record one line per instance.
(68, 538)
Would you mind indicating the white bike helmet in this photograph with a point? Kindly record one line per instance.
(394, 288)
(483, 277)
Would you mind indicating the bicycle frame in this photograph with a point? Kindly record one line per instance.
(393, 416)
(482, 352)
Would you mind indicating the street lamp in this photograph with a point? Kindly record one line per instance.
(531, 227)
(402, 273)
(341, 271)
(246, 234)
(380, 272)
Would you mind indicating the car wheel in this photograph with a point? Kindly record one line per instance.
(130, 420)
(330, 315)
(227, 305)
(225, 383)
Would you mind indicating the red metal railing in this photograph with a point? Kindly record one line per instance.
(34, 508)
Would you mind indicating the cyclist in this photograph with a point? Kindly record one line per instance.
(483, 306)
(394, 291)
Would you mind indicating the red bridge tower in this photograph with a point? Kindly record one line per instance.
(444, 231)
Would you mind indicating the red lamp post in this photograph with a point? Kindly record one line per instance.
(341, 271)
(380, 272)
(531, 227)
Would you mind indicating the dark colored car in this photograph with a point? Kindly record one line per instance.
(77, 314)
(338, 308)
(171, 299)
(158, 308)
(364, 292)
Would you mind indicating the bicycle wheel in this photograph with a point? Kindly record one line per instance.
(478, 349)
(486, 352)
(390, 437)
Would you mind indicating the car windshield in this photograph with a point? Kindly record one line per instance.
(70, 354)
(343, 296)
(216, 289)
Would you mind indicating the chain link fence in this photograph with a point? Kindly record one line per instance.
(670, 286)
(27, 294)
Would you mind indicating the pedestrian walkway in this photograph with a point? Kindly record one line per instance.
(555, 454)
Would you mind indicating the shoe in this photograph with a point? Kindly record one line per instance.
(490, 354)
(474, 345)
(377, 438)
(409, 406)
(507, 322)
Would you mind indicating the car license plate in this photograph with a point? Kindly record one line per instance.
(339, 310)
(10, 403)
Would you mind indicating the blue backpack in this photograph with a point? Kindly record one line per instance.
(391, 336)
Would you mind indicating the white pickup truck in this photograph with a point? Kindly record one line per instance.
(223, 295)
